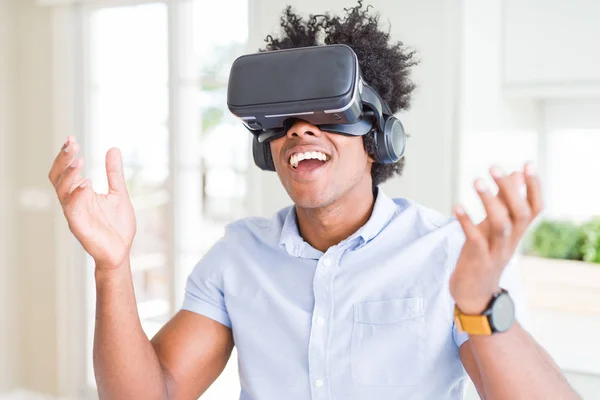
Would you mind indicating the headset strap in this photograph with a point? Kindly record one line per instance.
(371, 99)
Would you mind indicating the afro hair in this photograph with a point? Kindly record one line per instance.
(385, 66)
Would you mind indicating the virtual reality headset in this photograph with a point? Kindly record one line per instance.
(322, 85)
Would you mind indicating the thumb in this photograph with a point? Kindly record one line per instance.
(114, 171)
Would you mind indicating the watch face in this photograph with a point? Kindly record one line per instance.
(503, 313)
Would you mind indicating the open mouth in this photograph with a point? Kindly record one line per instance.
(308, 160)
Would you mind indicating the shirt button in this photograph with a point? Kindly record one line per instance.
(327, 262)
(321, 321)
(319, 383)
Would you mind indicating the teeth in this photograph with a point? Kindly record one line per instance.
(297, 157)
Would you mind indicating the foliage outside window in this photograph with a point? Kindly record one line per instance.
(566, 240)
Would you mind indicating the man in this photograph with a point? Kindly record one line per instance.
(347, 295)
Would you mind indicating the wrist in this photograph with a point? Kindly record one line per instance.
(475, 304)
(105, 271)
(111, 265)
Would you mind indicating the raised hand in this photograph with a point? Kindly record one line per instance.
(104, 224)
(490, 245)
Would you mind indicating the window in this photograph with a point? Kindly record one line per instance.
(128, 95)
(571, 159)
(155, 79)
(563, 292)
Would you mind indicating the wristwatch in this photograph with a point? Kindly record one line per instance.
(499, 316)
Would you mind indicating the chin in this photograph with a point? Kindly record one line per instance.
(311, 196)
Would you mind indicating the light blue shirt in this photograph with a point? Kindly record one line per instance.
(369, 319)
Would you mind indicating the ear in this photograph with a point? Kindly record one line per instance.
(369, 168)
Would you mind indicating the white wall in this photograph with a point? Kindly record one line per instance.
(552, 41)
(432, 28)
(30, 357)
(7, 264)
(35, 289)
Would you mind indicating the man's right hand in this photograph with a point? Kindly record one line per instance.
(104, 224)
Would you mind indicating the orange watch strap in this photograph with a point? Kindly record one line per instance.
(472, 324)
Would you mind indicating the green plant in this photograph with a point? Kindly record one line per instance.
(557, 239)
(590, 247)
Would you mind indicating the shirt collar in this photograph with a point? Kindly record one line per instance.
(383, 211)
(290, 239)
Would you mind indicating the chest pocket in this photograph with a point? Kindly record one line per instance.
(387, 342)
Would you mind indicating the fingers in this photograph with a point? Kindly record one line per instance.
(472, 233)
(63, 160)
(518, 208)
(114, 171)
(65, 173)
(534, 191)
(500, 226)
(510, 212)
(76, 194)
(69, 180)
(517, 179)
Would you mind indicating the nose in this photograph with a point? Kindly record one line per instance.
(303, 128)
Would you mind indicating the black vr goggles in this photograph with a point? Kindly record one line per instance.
(322, 85)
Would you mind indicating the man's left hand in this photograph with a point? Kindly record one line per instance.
(490, 245)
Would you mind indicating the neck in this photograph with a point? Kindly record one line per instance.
(328, 226)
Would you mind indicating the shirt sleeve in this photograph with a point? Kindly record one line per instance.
(512, 282)
(204, 287)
